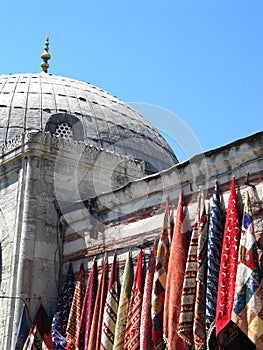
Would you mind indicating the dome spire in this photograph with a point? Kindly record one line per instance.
(45, 56)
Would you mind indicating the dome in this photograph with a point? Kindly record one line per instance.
(71, 108)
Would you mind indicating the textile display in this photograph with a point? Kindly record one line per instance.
(228, 266)
(215, 236)
(110, 310)
(88, 308)
(123, 304)
(146, 317)
(73, 325)
(159, 280)
(175, 277)
(39, 336)
(132, 329)
(199, 332)
(206, 294)
(95, 329)
(186, 316)
(247, 311)
(60, 318)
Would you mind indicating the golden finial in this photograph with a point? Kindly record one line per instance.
(45, 56)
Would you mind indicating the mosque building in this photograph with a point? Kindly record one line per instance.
(83, 175)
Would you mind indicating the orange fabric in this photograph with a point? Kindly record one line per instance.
(73, 326)
(174, 284)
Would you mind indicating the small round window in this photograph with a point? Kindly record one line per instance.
(64, 130)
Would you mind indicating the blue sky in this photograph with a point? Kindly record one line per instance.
(199, 60)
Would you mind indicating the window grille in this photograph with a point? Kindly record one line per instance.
(64, 130)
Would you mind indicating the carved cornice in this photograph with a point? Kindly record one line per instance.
(44, 142)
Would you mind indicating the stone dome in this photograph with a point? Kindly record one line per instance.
(71, 108)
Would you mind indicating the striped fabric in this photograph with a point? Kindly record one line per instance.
(132, 330)
(248, 302)
(73, 325)
(186, 317)
(39, 336)
(95, 330)
(159, 281)
(200, 299)
(60, 318)
(175, 277)
(228, 267)
(215, 236)
(110, 310)
(88, 308)
(146, 318)
(123, 305)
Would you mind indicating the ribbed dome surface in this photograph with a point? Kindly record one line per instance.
(40, 101)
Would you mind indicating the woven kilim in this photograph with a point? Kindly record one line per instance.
(95, 329)
(146, 318)
(175, 277)
(199, 332)
(73, 325)
(248, 302)
(123, 305)
(132, 330)
(110, 310)
(88, 308)
(60, 318)
(215, 236)
(159, 281)
(228, 267)
(39, 337)
(186, 317)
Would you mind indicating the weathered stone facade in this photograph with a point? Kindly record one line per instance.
(39, 174)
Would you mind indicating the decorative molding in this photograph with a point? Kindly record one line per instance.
(61, 144)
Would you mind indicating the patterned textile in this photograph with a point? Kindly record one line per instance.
(60, 318)
(88, 308)
(159, 281)
(123, 305)
(22, 330)
(248, 302)
(73, 325)
(39, 337)
(95, 330)
(146, 318)
(132, 330)
(228, 267)
(186, 317)
(200, 299)
(215, 236)
(110, 310)
(175, 277)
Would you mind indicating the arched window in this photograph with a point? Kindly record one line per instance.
(66, 126)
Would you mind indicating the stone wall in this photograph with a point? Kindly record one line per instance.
(40, 174)
(9, 222)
